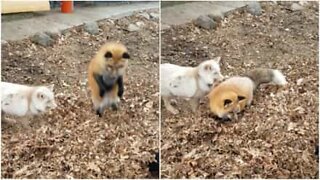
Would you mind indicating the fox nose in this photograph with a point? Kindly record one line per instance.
(210, 84)
(221, 77)
(237, 109)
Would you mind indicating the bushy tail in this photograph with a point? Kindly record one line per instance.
(260, 76)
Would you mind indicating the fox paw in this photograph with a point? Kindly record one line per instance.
(101, 93)
(114, 107)
(99, 113)
(173, 102)
(173, 111)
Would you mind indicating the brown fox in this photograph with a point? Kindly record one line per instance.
(231, 96)
(105, 76)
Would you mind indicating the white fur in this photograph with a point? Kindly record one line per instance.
(182, 81)
(177, 81)
(279, 78)
(22, 100)
(188, 82)
(107, 101)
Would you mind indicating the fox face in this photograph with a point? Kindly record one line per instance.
(209, 72)
(228, 105)
(116, 58)
(43, 99)
(232, 105)
(115, 66)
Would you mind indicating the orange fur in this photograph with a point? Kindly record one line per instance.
(114, 66)
(231, 89)
(232, 95)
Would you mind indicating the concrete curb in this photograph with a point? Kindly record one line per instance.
(54, 21)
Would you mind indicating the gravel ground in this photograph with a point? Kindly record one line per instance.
(71, 141)
(276, 136)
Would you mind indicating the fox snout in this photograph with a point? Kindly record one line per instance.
(237, 109)
(220, 78)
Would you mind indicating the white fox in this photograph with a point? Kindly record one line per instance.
(188, 82)
(22, 100)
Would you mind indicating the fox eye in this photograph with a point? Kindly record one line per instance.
(41, 96)
(125, 55)
(207, 67)
(108, 54)
(241, 98)
(227, 102)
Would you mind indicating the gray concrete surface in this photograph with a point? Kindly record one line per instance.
(54, 21)
(186, 12)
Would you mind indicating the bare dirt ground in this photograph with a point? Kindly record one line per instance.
(276, 136)
(71, 141)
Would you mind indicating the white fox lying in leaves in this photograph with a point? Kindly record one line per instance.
(22, 100)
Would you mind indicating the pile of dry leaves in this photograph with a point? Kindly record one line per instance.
(71, 141)
(276, 136)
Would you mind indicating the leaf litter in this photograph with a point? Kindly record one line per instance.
(71, 141)
(277, 135)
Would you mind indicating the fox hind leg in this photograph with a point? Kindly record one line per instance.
(98, 107)
(114, 107)
(99, 112)
(168, 105)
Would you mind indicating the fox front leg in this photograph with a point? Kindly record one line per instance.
(101, 84)
(120, 86)
(194, 102)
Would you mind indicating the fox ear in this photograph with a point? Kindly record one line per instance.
(217, 59)
(51, 87)
(227, 101)
(241, 98)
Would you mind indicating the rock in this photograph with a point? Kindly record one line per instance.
(254, 8)
(296, 7)
(140, 24)
(284, 3)
(53, 35)
(145, 15)
(205, 22)
(133, 27)
(91, 27)
(215, 17)
(274, 2)
(165, 26)
(303, 3)
(42, 39)
(65, 32)
(154, 15)
(3, 42)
